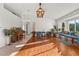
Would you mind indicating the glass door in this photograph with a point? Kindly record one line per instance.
(72, 25)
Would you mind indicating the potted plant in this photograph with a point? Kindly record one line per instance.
(7, 36)
(17, 34)
(52, 31)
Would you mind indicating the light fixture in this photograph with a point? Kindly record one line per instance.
(40, 12)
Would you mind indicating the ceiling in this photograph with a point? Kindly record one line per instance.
(52, 10)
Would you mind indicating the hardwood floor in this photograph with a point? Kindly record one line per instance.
(47, 47)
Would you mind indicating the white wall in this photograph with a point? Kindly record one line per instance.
(44, 24)
(60, 25)
(2, 38)
(30, 27)
(7, 20)
(60, 21)
(41, 24)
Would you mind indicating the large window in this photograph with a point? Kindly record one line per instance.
(77, 25)
(73, 25)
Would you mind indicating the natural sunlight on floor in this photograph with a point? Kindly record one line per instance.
(39, 48)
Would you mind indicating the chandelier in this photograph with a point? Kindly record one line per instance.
(40, 12)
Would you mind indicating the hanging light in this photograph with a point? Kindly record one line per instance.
(40, 11)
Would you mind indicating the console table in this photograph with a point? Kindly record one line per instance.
(73, 37)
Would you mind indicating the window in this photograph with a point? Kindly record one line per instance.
(77, 25)
(73, 25)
